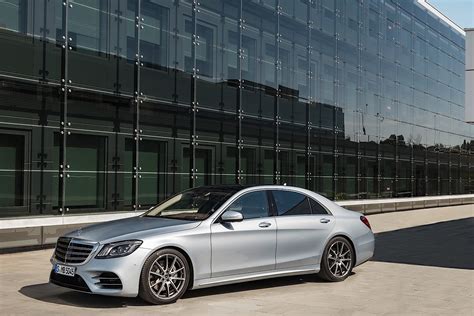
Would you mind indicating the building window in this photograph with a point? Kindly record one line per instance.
(153, 163)
(85, 186)
(154, 38)
(88, 25)
(12, 172)
(204, 52)
(14, 15)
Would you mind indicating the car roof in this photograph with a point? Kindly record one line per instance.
(236, 188)
(239, 187)
(231, 188)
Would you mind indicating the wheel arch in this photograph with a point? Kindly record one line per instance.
(185, 254)
(346, 237)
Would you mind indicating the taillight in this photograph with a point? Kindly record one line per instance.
(364, 220)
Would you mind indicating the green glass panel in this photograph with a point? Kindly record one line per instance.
(152, 183)
(11, 169)
(86, 158)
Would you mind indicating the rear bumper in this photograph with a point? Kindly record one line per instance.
(365, 247)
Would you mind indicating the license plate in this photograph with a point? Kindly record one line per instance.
(64, 270)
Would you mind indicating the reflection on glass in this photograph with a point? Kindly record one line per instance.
(347, 98)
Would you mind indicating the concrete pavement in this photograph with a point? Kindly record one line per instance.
(424, 265)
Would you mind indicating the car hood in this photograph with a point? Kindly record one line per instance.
(130, 228)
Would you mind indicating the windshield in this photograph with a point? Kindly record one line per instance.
(194, 204)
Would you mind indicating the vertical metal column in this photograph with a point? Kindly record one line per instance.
(137, 100)
(336, 99)
(194, 102)
(396, 103)
(65, 89)
(425, 168)
(40, 205)
(309, 76)
(378, 114)
(361, 103)
(276, 164)
(240, 112)
(438, 160)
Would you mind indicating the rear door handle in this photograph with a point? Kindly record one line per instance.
(264, 224)
(324, 220)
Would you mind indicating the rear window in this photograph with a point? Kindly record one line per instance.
(291, 203)
(317, 208)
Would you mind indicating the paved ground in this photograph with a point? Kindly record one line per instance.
(424, 264)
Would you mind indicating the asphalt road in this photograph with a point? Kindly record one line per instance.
(424, 265)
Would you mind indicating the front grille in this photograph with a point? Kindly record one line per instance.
(75, 282)
(70, 250)
(108, 280)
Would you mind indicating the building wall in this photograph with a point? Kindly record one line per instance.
(469, 76)
(114, 105)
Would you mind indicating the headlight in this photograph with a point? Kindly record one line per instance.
(118, 249)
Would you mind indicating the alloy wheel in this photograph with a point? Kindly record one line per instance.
(167, 276)
(339, 259)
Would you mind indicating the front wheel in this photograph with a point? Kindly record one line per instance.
(337, 261)
(165, 277)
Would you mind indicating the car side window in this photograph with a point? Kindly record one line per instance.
(251, 205)
(291, 203)
(317, 208)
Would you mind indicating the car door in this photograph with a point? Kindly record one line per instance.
(247, 246)
(302, 229)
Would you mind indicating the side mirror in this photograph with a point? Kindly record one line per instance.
(232, 216)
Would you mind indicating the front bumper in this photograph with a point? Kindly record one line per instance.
(89, 275)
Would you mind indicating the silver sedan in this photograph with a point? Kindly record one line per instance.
(210, 236)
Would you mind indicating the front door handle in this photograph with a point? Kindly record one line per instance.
(324, 220)
(264, 224)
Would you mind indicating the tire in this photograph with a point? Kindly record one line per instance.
(165, 277)
(338, 260)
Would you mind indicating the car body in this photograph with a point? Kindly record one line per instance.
(225, 247)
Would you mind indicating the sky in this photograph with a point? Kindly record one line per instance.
(460, 12)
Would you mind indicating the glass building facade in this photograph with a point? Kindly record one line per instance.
(115, 105)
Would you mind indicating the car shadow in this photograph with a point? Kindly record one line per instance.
(255, 285)
(445, 244)
(51, 293)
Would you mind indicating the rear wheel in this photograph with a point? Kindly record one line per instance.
(337, 261)
(165, 277)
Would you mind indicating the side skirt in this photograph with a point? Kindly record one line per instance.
(224, 280)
